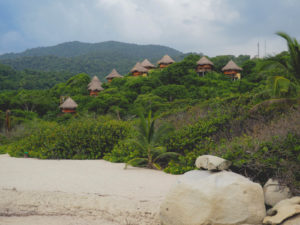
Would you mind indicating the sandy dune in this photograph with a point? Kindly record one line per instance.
(77, 192)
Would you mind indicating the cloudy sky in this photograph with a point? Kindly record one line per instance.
(213, 27)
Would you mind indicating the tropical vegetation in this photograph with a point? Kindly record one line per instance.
(254, 122)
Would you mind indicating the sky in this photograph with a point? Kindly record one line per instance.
(212, 27)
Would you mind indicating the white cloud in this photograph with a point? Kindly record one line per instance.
(155, 21)
(209, 26)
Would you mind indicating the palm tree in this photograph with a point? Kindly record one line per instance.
(149, 139)
(294, 51)
(287, 63)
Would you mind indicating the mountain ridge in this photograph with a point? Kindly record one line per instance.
(77, 48)
(91, 58)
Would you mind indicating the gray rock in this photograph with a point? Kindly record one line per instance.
(204, 197)
(275, 192)
(295, 220)
(282, 211)
(210, 162)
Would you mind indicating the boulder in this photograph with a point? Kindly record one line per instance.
(210, 162)
(203, 197)
(282, 211)
(275, 192)
(293, 220)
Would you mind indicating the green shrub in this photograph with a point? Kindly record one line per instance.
(78, 139)
(124, 151)
(192, 136)
(186, 162)
(2, 144)
(261, 160)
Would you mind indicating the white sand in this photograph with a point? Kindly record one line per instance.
(77, 192)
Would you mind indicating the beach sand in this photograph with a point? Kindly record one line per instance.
(79, 192)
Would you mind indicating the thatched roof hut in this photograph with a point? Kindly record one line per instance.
(204, 61)
(95, 86)
(68, 104)
(165, 60)
(204, 65)
(114, 74)
(231, 66)
(138, 68)
(95, 79)
(148, 65)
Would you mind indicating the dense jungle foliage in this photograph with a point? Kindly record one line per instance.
(254, 122)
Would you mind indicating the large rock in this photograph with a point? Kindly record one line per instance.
(275, 192)
(210, 162)
(293, 220)
(282, 211)
(223, 198)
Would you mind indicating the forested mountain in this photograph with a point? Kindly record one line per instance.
(94, 59)
(11, 79)
(76, 48)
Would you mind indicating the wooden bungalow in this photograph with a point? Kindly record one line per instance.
(232, 70)
(114, 74)
(204, 65)
(139, 70)
(148, 65)
(95, 86)
(165, 61)
(68, 106)
(95, 80)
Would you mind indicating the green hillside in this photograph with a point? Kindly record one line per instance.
(94, 59)
(253, 121)
(12, 79)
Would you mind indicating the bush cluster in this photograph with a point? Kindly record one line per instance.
(77, 139)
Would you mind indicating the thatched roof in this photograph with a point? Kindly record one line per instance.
(114, 74)
(138, 68)
(148, 64)
(95, 86)
(166, 60)
(204, 61)
(69, 104)
(94, 80)
(231, 66)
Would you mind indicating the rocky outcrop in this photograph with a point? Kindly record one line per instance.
(275, 192)
(210, 162)
(204, 197)
(283, 211)
(295, 220)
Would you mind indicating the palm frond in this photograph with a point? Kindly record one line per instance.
(156, 166)
(142, 126)
(294, 50)
(163, 131)
(151, 131)
(137, 162)
(279, 85)
(272, 64)
(167, 155)
(158, 151)
(139, 143)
